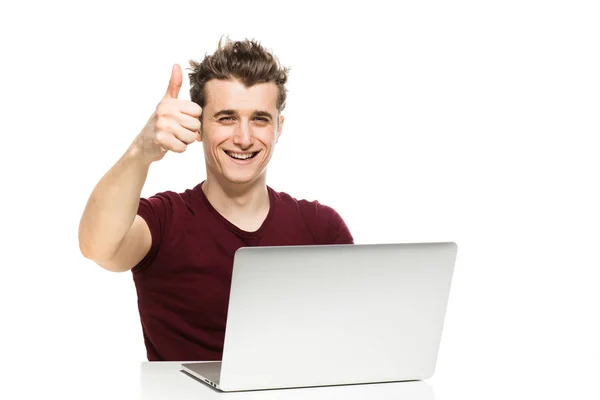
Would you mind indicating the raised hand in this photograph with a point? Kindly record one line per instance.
(174, 124)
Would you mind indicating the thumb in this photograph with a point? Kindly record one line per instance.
(175, 82)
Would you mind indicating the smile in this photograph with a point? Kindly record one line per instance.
(241, 156)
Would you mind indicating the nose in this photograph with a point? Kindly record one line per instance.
(243, 135)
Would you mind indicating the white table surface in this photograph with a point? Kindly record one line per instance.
(493, 380)
(164, 380)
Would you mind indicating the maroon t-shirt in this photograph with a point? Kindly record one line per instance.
(183, 283)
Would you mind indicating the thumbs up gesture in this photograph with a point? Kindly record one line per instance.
(173, 126)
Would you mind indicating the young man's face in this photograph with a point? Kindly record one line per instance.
(240, 127)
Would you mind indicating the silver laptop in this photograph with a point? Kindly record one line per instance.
(302, 316)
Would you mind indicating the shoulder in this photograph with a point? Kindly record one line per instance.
(310, 208)
(324, 221)
(172, 200)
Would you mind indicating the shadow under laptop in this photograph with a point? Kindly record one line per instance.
(413, 390)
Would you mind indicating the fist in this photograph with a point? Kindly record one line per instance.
(174, 124)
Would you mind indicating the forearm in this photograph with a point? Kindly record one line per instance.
(112, 206)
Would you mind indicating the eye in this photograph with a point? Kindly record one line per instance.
(225, 119)
(262, 119)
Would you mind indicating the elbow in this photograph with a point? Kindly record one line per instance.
(102, 259)
(89, 248)
(84, 247)
(92, 252)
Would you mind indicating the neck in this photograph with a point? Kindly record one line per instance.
(231, 199)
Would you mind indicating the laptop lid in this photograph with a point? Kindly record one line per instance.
(337, 314)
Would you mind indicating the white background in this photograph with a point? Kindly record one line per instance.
(467, 121)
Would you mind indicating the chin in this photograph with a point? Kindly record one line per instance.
(241, 179)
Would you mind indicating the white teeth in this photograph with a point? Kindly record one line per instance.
(240, 156)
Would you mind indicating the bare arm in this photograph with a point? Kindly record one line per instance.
(108, 219)
(133, 248)
(110, 231)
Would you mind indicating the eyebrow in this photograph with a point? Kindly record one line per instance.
(258, 113)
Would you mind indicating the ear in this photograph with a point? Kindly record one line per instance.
(279, 127)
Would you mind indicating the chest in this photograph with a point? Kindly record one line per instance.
(248, 223)
(192, 274)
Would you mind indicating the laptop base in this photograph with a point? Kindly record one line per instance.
(208, 372)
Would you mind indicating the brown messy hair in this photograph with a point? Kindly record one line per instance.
(247, 61)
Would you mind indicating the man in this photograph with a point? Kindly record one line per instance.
(180, 246)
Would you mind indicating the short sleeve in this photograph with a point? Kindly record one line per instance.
(331, 228)
(156, 211)
(338, 232)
